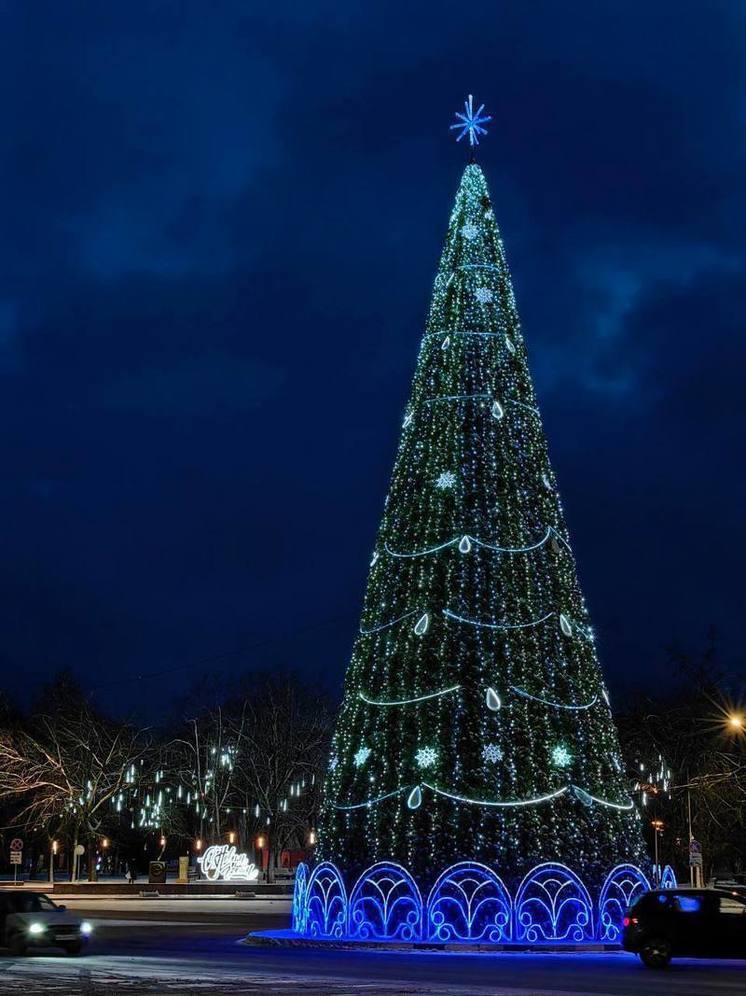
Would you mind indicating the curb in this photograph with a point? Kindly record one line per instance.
(287, 939)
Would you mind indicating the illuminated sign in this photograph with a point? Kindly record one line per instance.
(223, 862)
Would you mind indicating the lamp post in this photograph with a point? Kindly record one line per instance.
(657, 826)
(260, 842)
(52, 855)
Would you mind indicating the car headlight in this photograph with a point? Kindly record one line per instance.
(86, 928)
(36, 928)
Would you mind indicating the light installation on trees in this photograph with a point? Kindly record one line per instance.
(475, 736)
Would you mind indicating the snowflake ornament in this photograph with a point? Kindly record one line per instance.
(561, 756)
(426, 757)
(492, 753)
(361, 756)
(446, 480)
(483, 295)
(470, 123)
(470, 231)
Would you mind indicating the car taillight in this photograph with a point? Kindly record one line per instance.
(629, 920)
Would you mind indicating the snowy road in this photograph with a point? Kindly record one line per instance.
(144, 947)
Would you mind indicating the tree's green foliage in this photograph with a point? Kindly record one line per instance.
(475, 721)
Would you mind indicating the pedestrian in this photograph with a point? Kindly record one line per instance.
(131, 874)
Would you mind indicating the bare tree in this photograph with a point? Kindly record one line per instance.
(65, 770)
(687, 726)
(285, 730)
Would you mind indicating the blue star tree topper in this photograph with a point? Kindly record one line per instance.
(470, 123)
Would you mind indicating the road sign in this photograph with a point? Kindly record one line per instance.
(16, 857)
(79, 849)
(16, 844)
(695, 853)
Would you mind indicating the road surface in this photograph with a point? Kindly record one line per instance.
(189, 947)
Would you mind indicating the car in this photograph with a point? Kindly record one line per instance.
(692, 923)
(31, 919)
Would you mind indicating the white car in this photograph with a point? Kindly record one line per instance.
(31, 919)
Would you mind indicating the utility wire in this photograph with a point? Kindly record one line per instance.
(205, 661)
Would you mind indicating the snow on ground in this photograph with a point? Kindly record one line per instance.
(126, 906)
(145, 977)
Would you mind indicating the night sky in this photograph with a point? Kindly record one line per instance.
(220, 228)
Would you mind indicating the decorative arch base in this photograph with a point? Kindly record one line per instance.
(469, 905)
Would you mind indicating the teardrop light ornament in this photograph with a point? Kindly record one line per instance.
(422, 624)
(374, 558)
(509, 344)
(582, 796)
(565, 625)
(493, 700)
(446, 342)
(465, 545)
(497, 410)
(414, 799)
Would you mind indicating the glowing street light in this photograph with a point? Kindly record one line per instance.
(231, 838)
(657, 826)
(51, 862)
(736, 722)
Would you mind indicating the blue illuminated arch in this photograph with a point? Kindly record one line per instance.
(469, 902)
(553, 906)
(300, 907)
(326, 903)
(623, 884)
(668, 878)
(385, 905)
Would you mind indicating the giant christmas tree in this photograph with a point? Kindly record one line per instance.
(475, 722)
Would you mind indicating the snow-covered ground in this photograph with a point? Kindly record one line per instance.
(143, 977)
(176, 905)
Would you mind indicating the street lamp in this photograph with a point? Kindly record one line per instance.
(657, 826)
(736, 722)
(52, 855)
(231, 838)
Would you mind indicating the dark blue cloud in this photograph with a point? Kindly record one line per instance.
(220, 234)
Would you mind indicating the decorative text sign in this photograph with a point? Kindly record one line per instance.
(222, 861)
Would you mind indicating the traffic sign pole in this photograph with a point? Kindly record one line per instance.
(16, 856)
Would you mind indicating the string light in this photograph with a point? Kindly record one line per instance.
(414, 701)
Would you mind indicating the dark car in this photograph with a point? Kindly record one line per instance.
(692, 923)
(31, 919)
